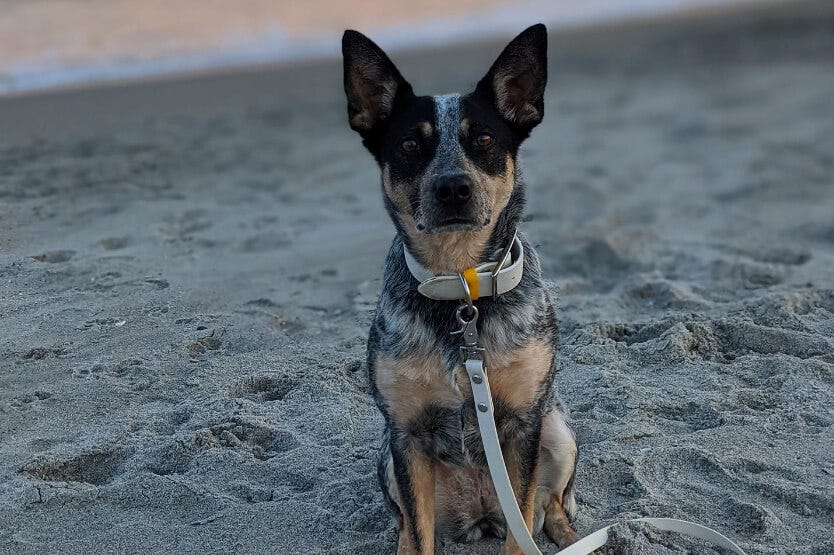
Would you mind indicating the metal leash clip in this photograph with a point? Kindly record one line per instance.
(467, 315)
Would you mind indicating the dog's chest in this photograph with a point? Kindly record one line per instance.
(434, 409)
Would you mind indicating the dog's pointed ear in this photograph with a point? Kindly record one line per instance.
(515, 83)
(372, 82)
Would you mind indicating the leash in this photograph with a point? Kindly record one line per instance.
(473, 356)
(493, 279)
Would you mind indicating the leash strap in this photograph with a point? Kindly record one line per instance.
(473, 356)
(599, 538)
(495, 458)
(506, 496)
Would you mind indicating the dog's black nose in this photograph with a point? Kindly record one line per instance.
(453, 190)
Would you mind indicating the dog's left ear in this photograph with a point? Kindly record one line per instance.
(372, 83)
(515, 82)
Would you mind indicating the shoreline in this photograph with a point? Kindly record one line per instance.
(456, 31)
(91, 108)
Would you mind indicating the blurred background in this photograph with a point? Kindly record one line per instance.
(48, 43)
(192, 240)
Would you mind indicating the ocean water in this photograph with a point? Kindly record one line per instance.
(57, 43)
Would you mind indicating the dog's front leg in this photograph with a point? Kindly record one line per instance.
(415, 475)
(522, 460)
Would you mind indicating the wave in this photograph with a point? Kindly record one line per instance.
(276, 47)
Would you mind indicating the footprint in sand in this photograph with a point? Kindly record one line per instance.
(251, 493)
(264, 388)
(168, 422)
(39, 353)
(748, 519)
(694, 415)
(157, 282)
(263, 440)
(114, 243)
(656, 292)
(747, 274)
(267, 241)
(171, 457)
(96, 466)
(185, 225)
(617, 477)
(26, 401)
(54, 257)
(210, 342)
(266, 307)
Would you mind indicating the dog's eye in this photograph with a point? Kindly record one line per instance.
(410, 145)
(484, 139)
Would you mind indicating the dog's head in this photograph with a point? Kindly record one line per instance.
(448, 162)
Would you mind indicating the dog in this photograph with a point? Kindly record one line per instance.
(451, 185)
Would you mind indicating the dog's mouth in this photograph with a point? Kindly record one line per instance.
(450, 225)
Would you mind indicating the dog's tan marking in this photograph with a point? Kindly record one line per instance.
(464, 125)
(515, 376)
(405, 543)
(421, 470)
(426, 129)
(422, 477)
(557, 525)
(396, 194)
(449, 252)
(409, 384)
(502, 188)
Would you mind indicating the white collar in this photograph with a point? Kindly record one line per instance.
(490, 283)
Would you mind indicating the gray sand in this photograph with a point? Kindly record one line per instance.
(186, 288)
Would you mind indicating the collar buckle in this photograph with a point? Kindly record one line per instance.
(502, 261)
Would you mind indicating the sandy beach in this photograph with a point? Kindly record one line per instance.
(188, 269)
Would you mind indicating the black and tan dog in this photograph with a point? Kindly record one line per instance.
(452, 188)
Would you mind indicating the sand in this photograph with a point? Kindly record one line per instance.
(188, 270)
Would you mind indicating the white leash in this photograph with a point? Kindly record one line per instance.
(473, 356)
(495, 459)
(506, 497)
(599, 538)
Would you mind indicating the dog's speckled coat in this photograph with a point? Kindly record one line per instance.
(452, 189)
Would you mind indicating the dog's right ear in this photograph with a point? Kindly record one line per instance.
(515, 83)
(372, 82)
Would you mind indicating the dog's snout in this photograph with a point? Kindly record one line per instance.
(453, 189)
